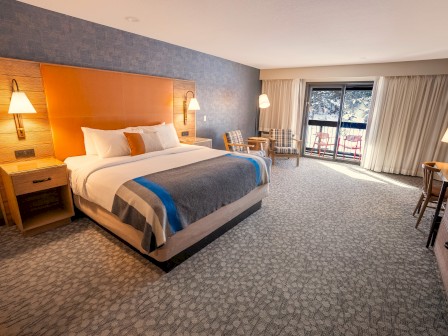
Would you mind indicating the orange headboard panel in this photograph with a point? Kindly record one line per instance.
(101, 99)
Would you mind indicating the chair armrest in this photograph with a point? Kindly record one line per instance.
(241, 145)
(298, 143)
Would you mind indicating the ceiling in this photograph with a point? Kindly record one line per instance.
(269, 34)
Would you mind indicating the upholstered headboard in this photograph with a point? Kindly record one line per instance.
(101, 99)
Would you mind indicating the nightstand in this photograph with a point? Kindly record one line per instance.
(196, 141)
(38, 194)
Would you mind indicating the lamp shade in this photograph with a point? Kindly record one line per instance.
(20, 104)
(193, 105)
(445, 136)
(263, 101)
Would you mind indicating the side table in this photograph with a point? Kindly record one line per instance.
(259, 143)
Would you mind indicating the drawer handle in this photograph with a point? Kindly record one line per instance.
(42, 180)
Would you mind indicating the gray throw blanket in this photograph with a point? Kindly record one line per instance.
(181, 196)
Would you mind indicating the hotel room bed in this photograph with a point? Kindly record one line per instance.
(189, 192)
(132, 122)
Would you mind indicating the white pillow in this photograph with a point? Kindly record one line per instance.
(89, 143)
(111, 144)
(152, 142)
(152, 128)
(167, 134)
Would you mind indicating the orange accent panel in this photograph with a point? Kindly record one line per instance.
(101, 99)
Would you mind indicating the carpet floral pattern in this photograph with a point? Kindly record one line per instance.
(333, 251)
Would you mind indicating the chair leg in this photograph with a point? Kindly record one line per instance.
(297, 164)
(273, 158)
(422, 211)
(419, 204)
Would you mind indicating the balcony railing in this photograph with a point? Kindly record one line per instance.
(352, 150)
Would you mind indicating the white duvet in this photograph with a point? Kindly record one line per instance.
(97, 180)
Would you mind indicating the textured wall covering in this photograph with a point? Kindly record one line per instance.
(227, 91)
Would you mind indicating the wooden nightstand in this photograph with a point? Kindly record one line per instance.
(196, 141)
(38, 194)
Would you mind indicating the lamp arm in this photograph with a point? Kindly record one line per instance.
(185, 106)
(188, 93)
(17, 85)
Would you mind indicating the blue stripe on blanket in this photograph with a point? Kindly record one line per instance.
(165, 197)
(254, 162)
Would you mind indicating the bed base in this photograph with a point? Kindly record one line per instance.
(187, 253)
(185, 243)
(179, 258)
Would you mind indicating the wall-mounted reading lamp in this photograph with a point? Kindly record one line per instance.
(192, 106)
(19, 104)
(263, 101)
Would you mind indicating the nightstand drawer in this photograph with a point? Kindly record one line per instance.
(29, 182)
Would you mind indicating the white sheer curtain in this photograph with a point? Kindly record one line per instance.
(286, 98)
(299, 89)
(410, 116)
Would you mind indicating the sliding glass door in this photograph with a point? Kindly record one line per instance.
(336, 120)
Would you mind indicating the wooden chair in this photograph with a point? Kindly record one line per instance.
(233, 140)
(322, 140)
(352, 142)
(430, 193)
(283, 144)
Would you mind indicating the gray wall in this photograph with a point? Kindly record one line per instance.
(227, 91)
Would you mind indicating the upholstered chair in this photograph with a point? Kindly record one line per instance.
(234, 142)
(283, 144)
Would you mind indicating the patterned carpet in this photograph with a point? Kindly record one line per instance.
(333, 251)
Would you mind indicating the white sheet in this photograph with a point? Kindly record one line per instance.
(97, 180)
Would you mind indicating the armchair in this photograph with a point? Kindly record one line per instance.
(283, 144)
(233, 140)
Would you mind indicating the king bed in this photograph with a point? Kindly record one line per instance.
(106, 190)
(169, 199)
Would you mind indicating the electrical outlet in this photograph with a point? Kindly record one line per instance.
(205, 118)
(24, 153)
(185, 133)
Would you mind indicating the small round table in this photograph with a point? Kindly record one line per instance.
(259, 143)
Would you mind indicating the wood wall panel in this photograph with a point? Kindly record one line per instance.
(19, 68)
(31, 126)
(37, 127)
(180, 87)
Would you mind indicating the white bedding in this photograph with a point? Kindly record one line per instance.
(98, 180)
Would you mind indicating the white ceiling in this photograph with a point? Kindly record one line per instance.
(269, 34)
